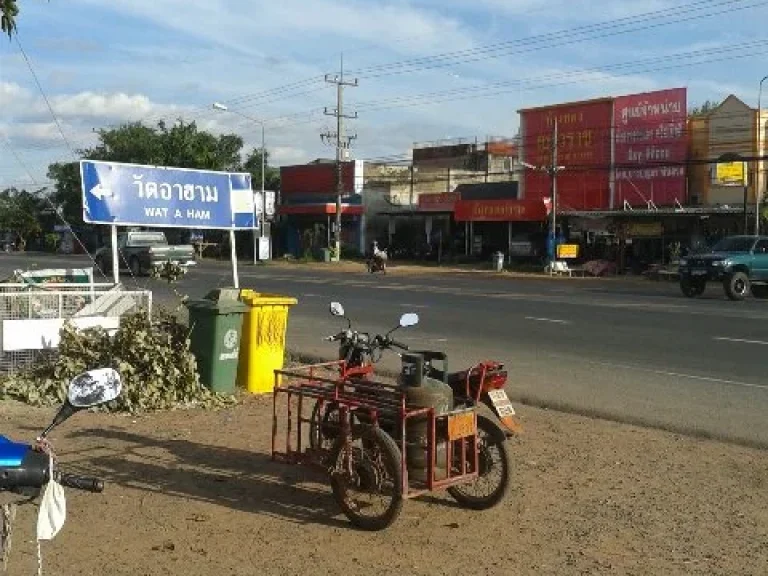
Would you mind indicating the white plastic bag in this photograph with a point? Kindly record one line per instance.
(53, 509)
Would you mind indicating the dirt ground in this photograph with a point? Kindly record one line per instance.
(195, 493)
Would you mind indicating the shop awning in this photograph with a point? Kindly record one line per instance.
(320, 209)
(502, 210)
(687, 211)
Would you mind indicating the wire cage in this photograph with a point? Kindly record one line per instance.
(436, 449)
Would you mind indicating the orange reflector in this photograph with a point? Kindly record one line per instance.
(512, 424)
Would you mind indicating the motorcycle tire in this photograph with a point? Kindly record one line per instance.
(374, 440)
(495, 440)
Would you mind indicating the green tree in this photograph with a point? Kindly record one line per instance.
(182, 145)
(704, 108)
(9, 10)
(20, 214)
(252, 164)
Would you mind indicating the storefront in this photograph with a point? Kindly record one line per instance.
(517, 228)
(307, 209)
(308, 228)
(637, 239)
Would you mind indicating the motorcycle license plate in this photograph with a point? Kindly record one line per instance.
(501, 403)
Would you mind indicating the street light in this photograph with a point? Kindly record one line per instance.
(224, 108)
(759, 154)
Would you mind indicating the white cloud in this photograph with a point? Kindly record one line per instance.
(375, 22)
(286, 155)
(116, 107)
(568, 10)
(32, 133)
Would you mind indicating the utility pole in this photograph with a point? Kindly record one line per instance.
(551, 170)
(342, 143)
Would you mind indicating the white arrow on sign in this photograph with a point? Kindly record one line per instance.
(100, 192)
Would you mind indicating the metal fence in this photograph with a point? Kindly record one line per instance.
(31, 315)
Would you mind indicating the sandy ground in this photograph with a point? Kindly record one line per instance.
(195, 493)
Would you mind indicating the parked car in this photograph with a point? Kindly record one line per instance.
(141, 251)
(740, 263)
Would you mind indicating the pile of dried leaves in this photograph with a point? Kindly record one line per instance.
(152, 356)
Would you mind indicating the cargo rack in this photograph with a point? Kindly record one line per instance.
(374, 403)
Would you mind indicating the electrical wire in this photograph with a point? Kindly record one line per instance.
(640, 22)
(44, 95)
(527, 84)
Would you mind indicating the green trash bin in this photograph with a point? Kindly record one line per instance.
(216, 323)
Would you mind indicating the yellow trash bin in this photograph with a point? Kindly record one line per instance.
(262, 349)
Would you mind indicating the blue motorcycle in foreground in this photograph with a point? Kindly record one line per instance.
(31, 469)
(27, 468)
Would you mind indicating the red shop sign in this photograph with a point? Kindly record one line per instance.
(501, 210)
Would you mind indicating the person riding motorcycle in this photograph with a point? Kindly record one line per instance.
(378, 259)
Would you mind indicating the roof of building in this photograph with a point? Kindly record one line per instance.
(567, 104)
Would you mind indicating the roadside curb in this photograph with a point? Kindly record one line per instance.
(591, 413)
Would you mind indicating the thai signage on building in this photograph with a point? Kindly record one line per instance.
(651, 147)
(438, 202)
(535, 210)
(583, 148)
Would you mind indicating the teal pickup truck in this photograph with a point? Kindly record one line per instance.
(740, 263)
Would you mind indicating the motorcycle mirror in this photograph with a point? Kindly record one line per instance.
(409, 319)
(85, 391)
(94, 387)
(336, 309)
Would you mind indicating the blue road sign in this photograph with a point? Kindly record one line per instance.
(137, 195)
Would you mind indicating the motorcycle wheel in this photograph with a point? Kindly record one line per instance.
(490, 441)
(371, 466)
(324, 425)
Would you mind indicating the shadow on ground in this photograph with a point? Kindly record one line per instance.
(238, 479)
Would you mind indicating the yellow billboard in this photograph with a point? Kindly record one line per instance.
(730, 174)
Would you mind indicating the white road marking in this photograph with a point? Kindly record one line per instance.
(680, 375)
(414, 306)
(551, 320)
(740, 340)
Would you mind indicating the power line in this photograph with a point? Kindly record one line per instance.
(43, 94)
(545, 41)
(641, 22)
(546, 38)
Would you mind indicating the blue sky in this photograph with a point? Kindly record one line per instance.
(105, 62)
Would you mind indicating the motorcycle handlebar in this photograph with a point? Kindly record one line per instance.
(398, 344)
(86, 483)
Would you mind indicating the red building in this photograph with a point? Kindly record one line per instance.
(651, 148)
(308, 206)
(584, 147)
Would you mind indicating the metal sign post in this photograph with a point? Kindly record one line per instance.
(119, 194)
(115, 255)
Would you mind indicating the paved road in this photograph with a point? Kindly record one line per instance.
(630, 349)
